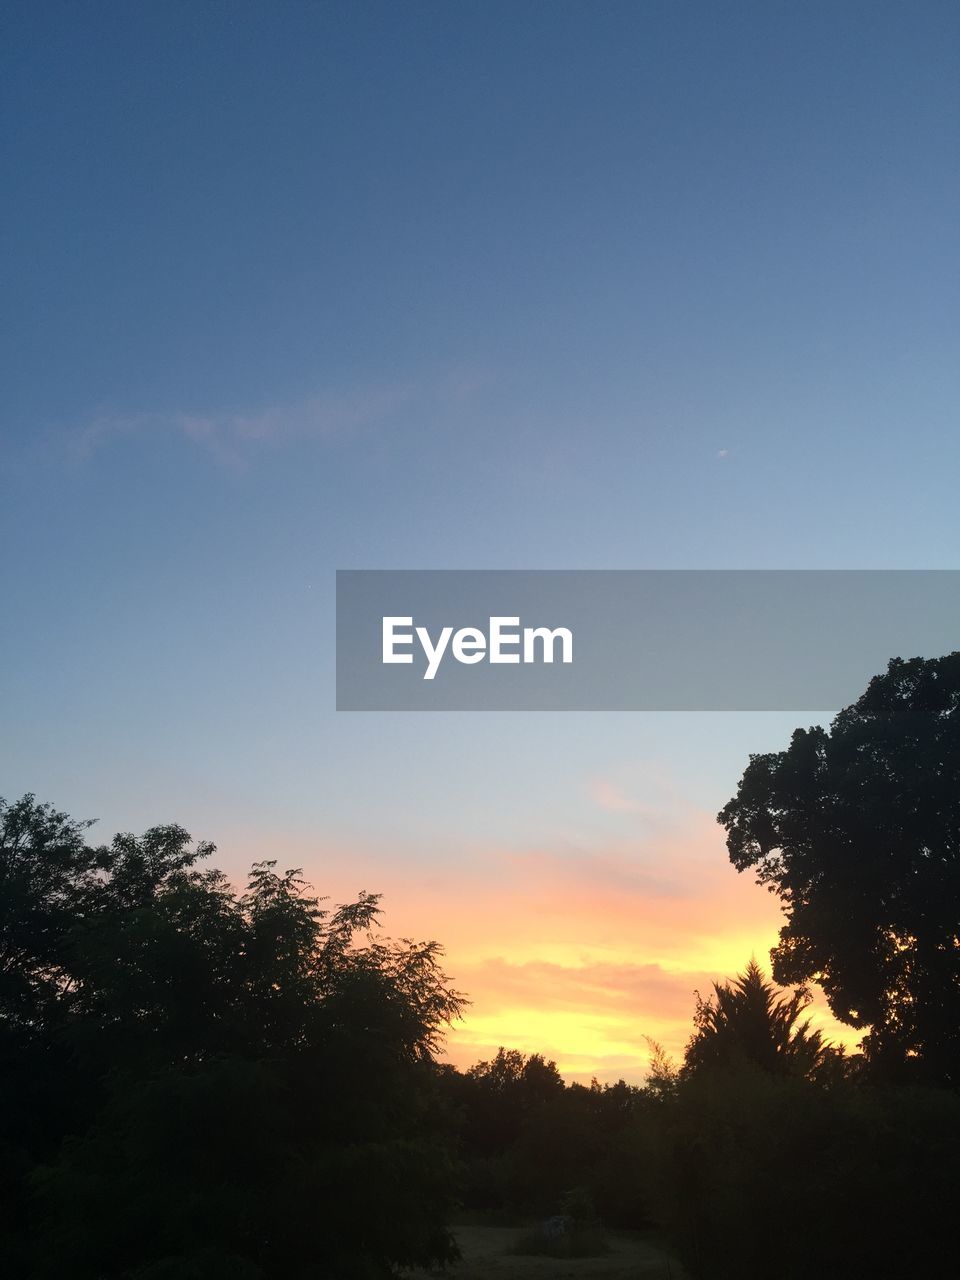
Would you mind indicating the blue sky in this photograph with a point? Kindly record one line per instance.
(292, 287)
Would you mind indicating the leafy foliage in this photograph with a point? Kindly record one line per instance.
(209, 1084)
(747, 1022)
(527, 1140)
(771, 1175)
(858, 832)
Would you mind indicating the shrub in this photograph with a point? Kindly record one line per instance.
(755, 1175)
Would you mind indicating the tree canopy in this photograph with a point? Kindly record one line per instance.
(858, 832)
(198, 1082)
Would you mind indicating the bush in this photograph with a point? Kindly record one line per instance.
(573, 1233)
(753, 1175)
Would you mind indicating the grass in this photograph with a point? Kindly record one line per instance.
(579, 1242)
(489, 1252)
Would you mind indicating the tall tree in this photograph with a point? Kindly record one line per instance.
(858, 832)
(748, 1022)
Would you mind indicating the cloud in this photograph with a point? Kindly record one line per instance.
(637, 787)
(232, 438)
(593, 1018)
(579, 950)
(609, 796)
(593, 987)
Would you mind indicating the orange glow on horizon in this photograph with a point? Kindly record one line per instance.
(578, 954)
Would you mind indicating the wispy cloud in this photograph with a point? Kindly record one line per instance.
(232, 438)
(598, 986)
(611, 797)
(637, 787)
(594, 1018)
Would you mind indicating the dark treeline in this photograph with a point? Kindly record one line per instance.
(765, 1153)
(196, 1083)
(200, 1083)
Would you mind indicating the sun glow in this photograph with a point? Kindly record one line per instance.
(581, 956)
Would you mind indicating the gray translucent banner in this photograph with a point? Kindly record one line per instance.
(632, 640)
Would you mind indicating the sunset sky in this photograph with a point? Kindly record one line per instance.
(293, 287)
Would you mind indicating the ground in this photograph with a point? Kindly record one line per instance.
(632, 1256)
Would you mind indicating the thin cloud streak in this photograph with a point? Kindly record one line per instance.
(232, 438)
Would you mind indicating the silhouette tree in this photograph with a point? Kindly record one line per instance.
(503, 1093)
(858, 832)
(747, 1022)
(45, 870)
(530, 1079)
(527, 1139)
(208, 1083)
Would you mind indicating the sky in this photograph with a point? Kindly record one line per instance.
(294, 287)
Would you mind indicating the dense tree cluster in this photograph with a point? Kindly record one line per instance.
(200, 1083)
(527, 1142)
(765, 1153)
(779, 1177)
